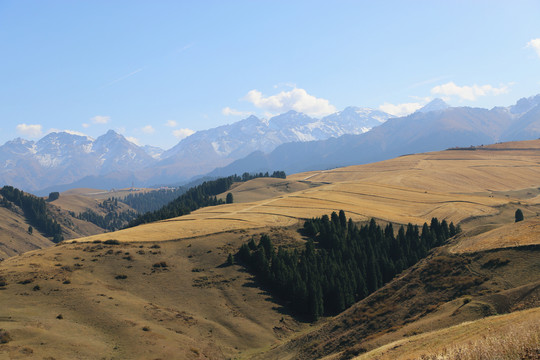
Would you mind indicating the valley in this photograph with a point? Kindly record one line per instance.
(165, 289)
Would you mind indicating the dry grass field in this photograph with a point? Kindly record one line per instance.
(14, 236)
(505, 337)
(168, 300)
(79, 200)
(164, 290)
(456, 185)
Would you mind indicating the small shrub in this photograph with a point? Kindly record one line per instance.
(26, 281)
(66, 282)
(4, 336)
(111, 242)
(146, 328)
(36, 288)
(120, 277)
(156, 246)
(59, 317)
(495, 263)
(97, 241)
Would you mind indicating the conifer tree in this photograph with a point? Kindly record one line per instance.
(518, 215)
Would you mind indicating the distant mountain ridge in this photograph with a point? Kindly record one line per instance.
(63, 160)
(291, 142)
(422, 131)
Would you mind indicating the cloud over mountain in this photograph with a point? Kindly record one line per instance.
(296, 99)
(468, 92)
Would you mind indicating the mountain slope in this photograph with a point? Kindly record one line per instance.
(418, 132)
(61, 158)
(208, 149)
(165, 290)
(61, 161)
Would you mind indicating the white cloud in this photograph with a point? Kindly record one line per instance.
(72, 132)
(182, 133)
(400, 109)
(535, 44)
(295, 99)
(468, 92)
(148, 129)
(171, 123)
(85, 125)
(32, 131)
(133, 140)
(228, 111)
(100, 119)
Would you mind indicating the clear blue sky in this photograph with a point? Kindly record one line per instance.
(156, 70)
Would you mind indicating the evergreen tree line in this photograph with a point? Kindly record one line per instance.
(341, 262)
(111, 221)
(152, 200)
(197, 197)
(155, 200)
(35, 211)
(114, 218)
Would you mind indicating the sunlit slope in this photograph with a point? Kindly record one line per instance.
(265, 188)
(359, 200)
(453, 185)
(503, 330)
(499, 167)
(14, 235)
(510, 235)
(173, 300)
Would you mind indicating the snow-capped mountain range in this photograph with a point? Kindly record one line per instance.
(434, 127)
(62, 158)
(292, 142)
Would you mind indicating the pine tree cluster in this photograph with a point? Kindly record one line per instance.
(341, 262)
(197, 197)
(113, 219)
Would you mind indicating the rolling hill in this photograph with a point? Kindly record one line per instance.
(165, 290)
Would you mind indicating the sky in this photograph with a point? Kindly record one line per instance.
(156, 71)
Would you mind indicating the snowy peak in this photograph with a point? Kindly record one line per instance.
(64, 157)
(253, 134)
(434, 105)
(18, 146)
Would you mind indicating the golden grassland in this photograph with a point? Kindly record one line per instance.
(169, 300)
(14, 236)
(509, 235)
(506, 337)
(455, 185)
(165, 291)
(79, 200)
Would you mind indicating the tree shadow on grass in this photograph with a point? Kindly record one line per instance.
(279, 305)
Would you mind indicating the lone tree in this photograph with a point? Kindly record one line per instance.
(519, 215)
(229, 198)
(54, 195)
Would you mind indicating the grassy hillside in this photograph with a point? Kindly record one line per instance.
(457, 185)
(14, 235)
(158, 300)
(164, 290)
